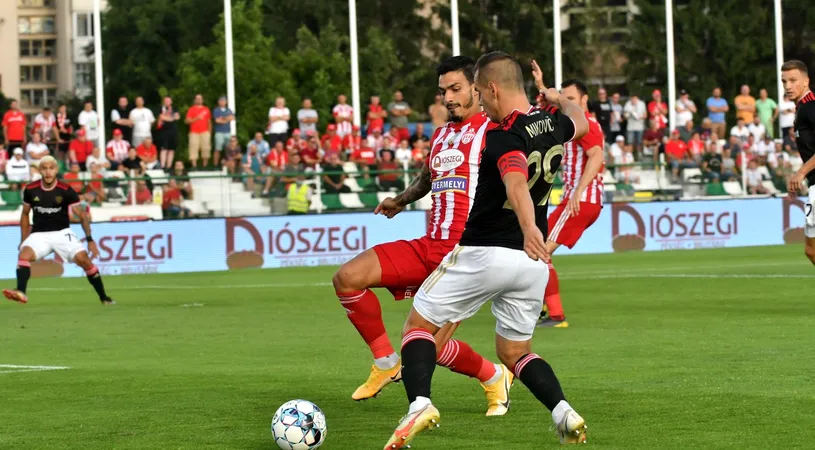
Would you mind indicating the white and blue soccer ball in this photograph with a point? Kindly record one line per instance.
(298, 425)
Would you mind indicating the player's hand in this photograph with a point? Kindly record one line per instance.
(537, 74)
(389, 208)
(534, 245)
(573, 207)
(93, 250)
(794, 184)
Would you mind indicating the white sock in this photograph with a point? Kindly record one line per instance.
(499, 373)
(387, 362)
(418, 404)
(560, 411)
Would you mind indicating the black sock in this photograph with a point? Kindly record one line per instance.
(537, 375)
(23, 274)
(96, 282)
(418, 363)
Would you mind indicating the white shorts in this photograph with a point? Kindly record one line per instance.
(64, 243)
(469, 277)
(809, 210)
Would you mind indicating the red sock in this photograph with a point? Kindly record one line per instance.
(365, 313)
(461, 358)
(552, 296)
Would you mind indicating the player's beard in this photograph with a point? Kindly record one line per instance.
(467, 106)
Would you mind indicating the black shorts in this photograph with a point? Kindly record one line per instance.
(169, 139)
(14, 144)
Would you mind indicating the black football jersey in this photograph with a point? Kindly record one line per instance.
(51, 206)
(805, 131)
(539, 134)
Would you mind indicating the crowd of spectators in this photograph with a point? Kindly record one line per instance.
(637, 133)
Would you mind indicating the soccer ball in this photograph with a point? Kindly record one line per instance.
(298, 425)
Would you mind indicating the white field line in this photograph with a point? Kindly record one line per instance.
(15, 368)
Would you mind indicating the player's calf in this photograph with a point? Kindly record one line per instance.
(94, 277)
(809, 249)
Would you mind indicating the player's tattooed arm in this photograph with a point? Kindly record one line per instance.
(417, 189)
(84, 219)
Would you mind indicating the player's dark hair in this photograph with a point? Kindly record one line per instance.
(508, 74)
(795, 64)
(579, 85)
(463, 64)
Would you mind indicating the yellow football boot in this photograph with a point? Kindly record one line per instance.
(498, 393)
(411, 425)
(377, 381)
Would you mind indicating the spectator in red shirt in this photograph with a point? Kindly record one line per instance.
(79, 149)
(658, 109)
(276, 160)
(376, 115)
(331, 142)
(148, 153)
(311, 154)
(172, 201)
(652, 141)
(388, 172)
(72, 178)
(296, 141)
(199, 118)
(365, 158)
(351, 142)
(676, 152)
(143, 195)
(94, 190)
(14, 123)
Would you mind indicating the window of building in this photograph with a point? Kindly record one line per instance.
(51, 98)
(83, 74)
(83, 25)
(38, 98)
(37, 49)
(36, 25)
(50, 47)
(25, 48)
(51, 73)
(38, 74)
(36, 3)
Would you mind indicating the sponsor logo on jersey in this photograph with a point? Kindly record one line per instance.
(44, 210)
(468, 137)
(447, 160)
(453, 183)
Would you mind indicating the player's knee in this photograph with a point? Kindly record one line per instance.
(82, 260)
(510, 354)
(347, 279)
(26, 254)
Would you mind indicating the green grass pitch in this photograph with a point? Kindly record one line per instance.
(698, 349)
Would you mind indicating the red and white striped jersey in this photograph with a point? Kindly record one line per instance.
(44, 125)
(346, 110)
(453, 161)
(117, 150)
(574, 164)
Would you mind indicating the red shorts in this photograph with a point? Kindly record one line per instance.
(566, 230)
(406, 264)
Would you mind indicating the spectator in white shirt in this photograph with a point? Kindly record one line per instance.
(685, 108)
(89, 120)
(754, 179)
(117, 149)
(786, 116)
(36, 150)
(757, 129)
(403, 153)
(740, 131)
(278, 121)
(343, 116)
(778, 158)
(17, 168)
(764, 147)
(615, 151)
(142, 119)
(635, 115)
(98, 158)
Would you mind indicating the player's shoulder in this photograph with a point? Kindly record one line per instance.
(63, 186)
(34, 185)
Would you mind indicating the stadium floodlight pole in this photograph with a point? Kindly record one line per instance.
(454, 27)
(669, 35)
(556, 29)
(352, 25)
(779, 57)
(100, 81)
(230, 65)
